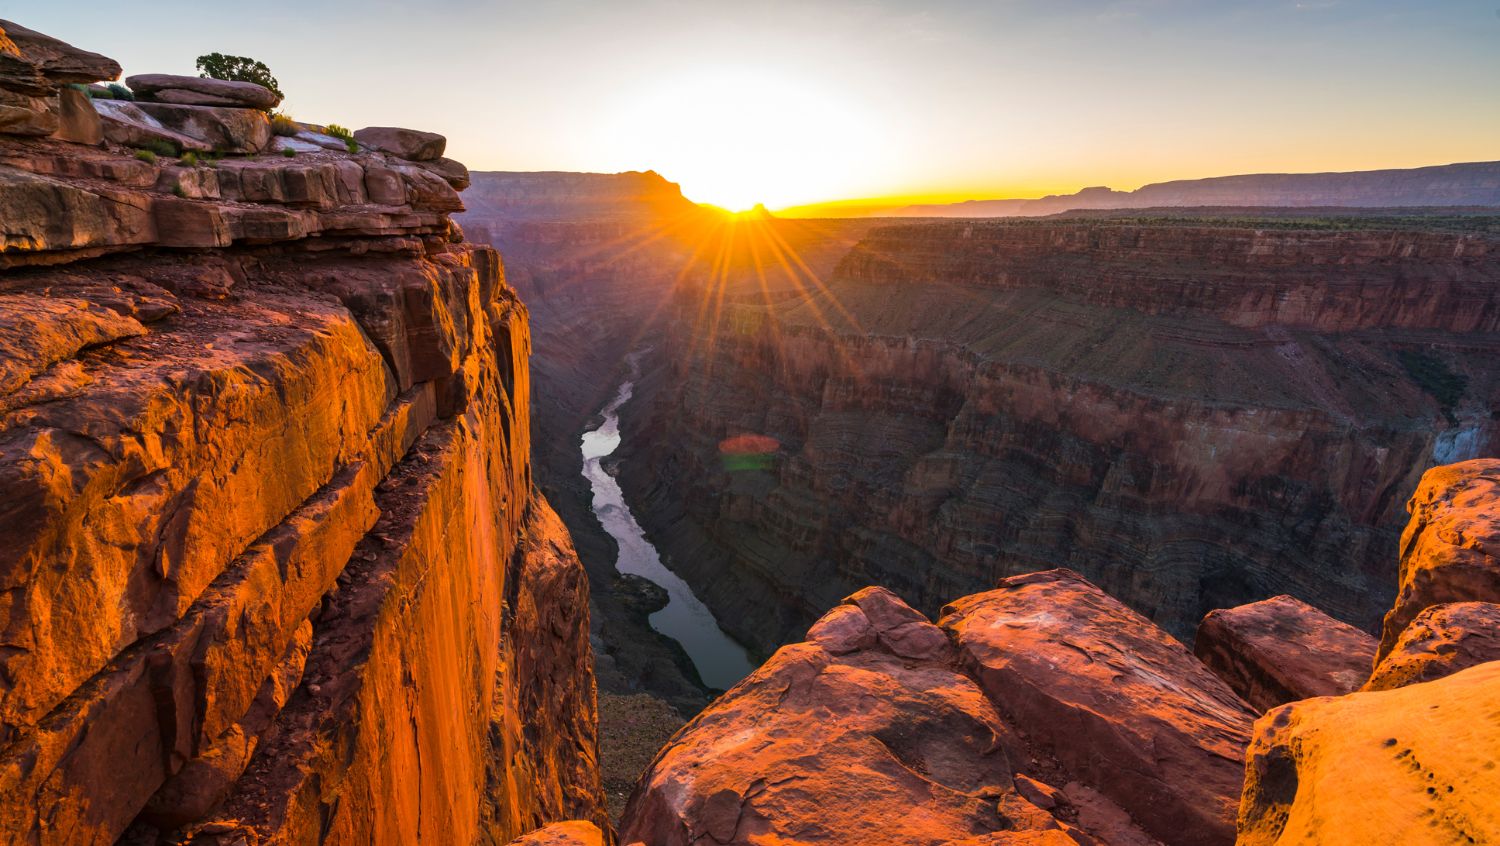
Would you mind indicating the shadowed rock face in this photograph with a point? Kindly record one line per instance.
(272, 567)
(1279, 650)
(1010, 722)
(1193, 417)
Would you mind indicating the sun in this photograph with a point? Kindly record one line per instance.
(736, 137)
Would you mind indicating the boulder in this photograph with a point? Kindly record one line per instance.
(125, 123)
(570, 833)
(1450, 550)
(1103, 692)
(61, 63)
(1414, 766)
(410, 144)
(78, 122)
(1281, 649)
(1441, 641)
(201, 91)
(24, 114)
(224, 129)
(452, 172)
(865, 734)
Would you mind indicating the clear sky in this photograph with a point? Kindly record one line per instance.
(796, 102)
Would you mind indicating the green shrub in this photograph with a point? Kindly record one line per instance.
(352, 145)
(163, 147)
(146, 156)
(238, 69)
(283, 126)
(188, 159)
(78, 86)
(289, 152)
(338, 132)
(178, 192)
(120, 92)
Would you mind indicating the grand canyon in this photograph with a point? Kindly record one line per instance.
(351, 496)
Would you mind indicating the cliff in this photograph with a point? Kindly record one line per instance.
(1467, 184)
(1191, 416)
(274, 569)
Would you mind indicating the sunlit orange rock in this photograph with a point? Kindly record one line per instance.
(1414, 766)
(1441, 641)
(570, 833)
(1281, 649)
(1450, 551)
(864, 734)
(1100, 692)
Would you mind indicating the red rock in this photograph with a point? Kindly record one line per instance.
(1450, 551)
(77, 121)
(1441, 641)
(411, 144)
(126, 124)
(230, 130)
(571, 833)
(1414, 766)
(1104, 692)
(841, 740)
(59, 62)
(201, 91)
(1281, 649)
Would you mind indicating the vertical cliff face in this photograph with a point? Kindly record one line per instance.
(272, 565)
(1193, 417)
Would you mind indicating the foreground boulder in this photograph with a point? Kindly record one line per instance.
(224, 129)
(410, 144)
(1013, 722)
(1414, 766)
(200, 91)
(1102, 692)
(1281, 649)
(865, 734)
(1441, 641)
(1450, 551)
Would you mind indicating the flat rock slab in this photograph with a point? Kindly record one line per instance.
(410, 144)
(58, 61)
(1414, 766)
(200, 91)
(1441, 641)
(127, 124)
(1281, 649)
(1450, 551)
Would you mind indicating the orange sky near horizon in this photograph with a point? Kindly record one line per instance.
(791, 103)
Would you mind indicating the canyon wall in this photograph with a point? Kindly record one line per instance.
(272, 565)
(1192, 416)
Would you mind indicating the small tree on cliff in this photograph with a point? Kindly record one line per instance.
(237, 69)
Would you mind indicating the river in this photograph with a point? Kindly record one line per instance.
(720, 661)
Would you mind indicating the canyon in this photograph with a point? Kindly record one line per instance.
(1095, 530)
(1191, 414)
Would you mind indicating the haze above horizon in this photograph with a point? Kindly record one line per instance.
(789, 104)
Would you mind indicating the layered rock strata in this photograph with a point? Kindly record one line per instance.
(1192, 416)
(272, 567)
(1280, 649)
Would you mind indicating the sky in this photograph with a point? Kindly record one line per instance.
(788, 103)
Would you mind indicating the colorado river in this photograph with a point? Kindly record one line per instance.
(720, 661)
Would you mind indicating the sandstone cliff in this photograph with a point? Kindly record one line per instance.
(1192, 416)
(274, 569)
